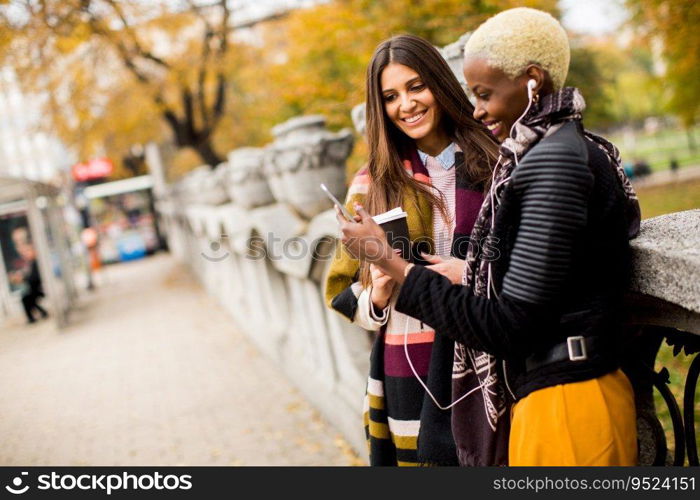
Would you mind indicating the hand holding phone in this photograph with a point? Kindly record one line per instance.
(340, 206)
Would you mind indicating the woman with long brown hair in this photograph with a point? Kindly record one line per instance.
(429, 156)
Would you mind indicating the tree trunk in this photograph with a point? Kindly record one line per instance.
(207, 154)
(186, 135)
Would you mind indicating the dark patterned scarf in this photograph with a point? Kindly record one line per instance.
(436, 424)
(543, 118)
(435, 443)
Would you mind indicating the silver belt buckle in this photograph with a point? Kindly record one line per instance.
(582, 347)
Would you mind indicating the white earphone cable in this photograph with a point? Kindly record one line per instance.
(415, 373)
(530, 98)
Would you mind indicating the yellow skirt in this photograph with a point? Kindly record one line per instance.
(583, 423)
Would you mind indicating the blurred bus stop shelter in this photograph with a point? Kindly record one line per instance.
(40, 208)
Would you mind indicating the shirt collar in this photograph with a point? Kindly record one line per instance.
(446, 158)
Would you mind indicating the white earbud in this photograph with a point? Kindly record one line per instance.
(531, 84)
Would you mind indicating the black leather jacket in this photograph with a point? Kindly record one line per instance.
(561, 271)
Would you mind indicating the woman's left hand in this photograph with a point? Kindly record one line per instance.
(450, 267)
(364, 238)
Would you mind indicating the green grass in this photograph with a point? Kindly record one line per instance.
(675, 197)
(659, 148)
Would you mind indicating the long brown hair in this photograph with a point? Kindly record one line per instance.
(389, 181)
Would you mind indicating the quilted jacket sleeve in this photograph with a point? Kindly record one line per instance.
(553, 185)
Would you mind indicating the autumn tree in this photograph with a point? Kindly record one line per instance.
(586, 74)
(118, 73)
(674, 24)
(113, 73)
(633, 89)
(617, 82)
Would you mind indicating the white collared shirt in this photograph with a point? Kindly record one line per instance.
(446, 158)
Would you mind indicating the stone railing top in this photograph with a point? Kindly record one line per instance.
(359, 118)
(666, 259)
(453, 54)
(245, 152)
(299, 122)
(244, 163)
(454, 50)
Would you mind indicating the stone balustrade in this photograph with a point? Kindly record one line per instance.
(258, 233)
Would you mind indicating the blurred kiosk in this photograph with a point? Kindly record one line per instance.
(38, 207)
(122, 214)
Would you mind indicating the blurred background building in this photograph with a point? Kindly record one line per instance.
(27, 151)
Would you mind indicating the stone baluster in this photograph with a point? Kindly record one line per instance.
(304, 155)
(247, 184)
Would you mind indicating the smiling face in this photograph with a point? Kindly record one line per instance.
(500, 100)
(411, 106)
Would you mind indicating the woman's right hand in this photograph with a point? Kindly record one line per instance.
(450, 267)
(382, 287)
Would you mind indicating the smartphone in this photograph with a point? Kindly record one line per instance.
(335, 201)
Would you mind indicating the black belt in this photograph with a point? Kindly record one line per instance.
(576, 349)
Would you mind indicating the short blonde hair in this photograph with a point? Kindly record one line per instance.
(515, 38)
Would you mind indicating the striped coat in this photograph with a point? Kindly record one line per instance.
(403, 426)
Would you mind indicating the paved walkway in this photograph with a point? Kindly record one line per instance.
(666, 177)
(151, 372)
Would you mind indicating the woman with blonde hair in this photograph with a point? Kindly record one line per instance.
(545, 286)
(428, 155)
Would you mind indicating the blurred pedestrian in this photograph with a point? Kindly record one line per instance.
(91, 240)
(673, 165)
(28, 277)
(641, 168)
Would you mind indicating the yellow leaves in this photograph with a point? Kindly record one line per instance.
(313, 61)
(67, 44)
(5, 39)
(172, 24)
(348, 453)
(78, 36)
